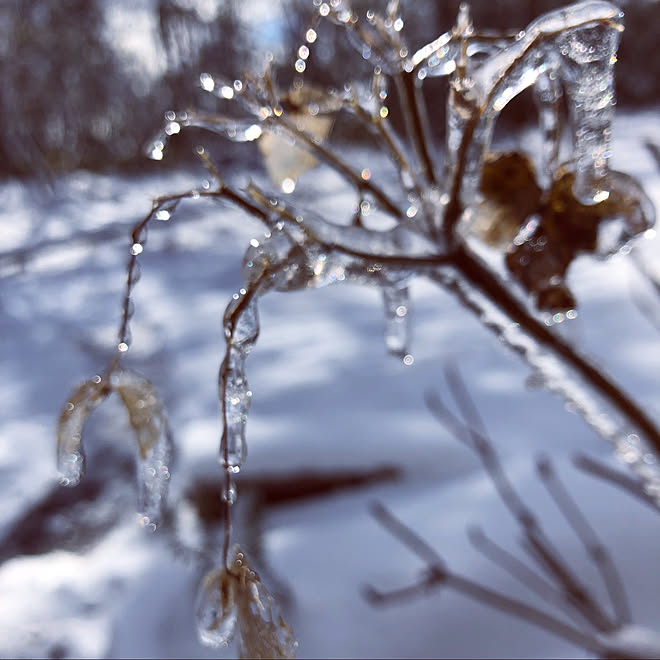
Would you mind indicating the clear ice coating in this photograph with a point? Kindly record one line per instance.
(147, 418)
(241, 324)
(233, 600)
(397, 317)
(575, 46)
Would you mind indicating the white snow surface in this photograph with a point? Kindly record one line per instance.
(326, 400)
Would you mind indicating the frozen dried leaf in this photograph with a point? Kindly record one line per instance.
(145, 410)
(70, 455)
(284, 160)
(147, 417)
(236, 597)
(510, 195)
(216, 611)
(264, 633)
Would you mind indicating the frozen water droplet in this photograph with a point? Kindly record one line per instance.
(156, 150)
(288, 185)
(230, 494)
(207, 82)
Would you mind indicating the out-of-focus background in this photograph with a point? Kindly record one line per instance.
(335, 423)
(85, 83)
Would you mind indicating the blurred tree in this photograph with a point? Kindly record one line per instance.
(64, 102)
(69, 101)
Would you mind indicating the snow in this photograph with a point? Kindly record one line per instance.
(327, 400)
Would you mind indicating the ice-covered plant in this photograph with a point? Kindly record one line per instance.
(498, 230)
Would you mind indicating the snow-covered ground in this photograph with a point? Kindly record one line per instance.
(79, 578)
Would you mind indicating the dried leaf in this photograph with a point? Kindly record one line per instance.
(236, 597)
(145, 410)
(147, 417)
(70, 455)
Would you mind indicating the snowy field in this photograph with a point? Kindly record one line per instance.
(79, 578)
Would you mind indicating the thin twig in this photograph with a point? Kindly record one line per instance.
(632, 485)
(587, 535)
(439, 576)
(542, 551)
(514, 566)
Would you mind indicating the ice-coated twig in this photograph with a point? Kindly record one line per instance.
(632, 485)
(587, 535)
(438, 575)
(598, 633)
(479, 288)
(536, 542)
(514, 566)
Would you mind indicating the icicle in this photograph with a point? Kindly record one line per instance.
(547, 94)
(397, 317)
(70, 454)
(147, 417)
(589, 82)
(236, 405)
(234, 600)
(577, 44)
(241, 323)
